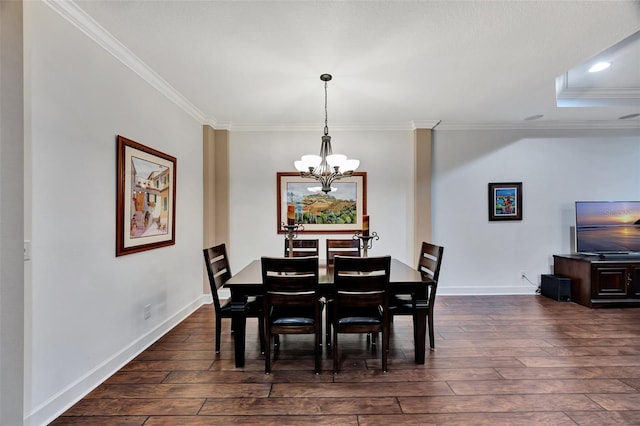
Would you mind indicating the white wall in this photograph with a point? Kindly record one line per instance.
(256, 157)
(556, 168)
(86, 308)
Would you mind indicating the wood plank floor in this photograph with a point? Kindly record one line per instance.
(499, 360)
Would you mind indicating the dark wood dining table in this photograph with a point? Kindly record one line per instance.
(403, 280)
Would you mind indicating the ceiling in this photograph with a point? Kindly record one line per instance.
(395, 64)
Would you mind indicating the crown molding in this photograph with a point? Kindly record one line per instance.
(85, 23)
(425, 124)
(544, 125)
(310, 127)
(217, 125)
(440, 125)
(593, 96)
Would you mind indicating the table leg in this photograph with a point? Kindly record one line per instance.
(240, 323)
(420, 313)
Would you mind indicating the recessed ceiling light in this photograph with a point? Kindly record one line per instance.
(599, 66)
(534, 117)
(624, 117)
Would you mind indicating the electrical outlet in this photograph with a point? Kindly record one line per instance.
(147, 312)
(27, 250)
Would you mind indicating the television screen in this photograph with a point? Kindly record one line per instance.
(607, 226)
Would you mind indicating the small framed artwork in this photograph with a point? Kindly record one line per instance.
(505, 201)
(301, 201)
(145, 198)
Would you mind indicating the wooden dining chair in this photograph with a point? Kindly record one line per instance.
(429, 264)
(302, 247)
(341, 247)
(291, 302)
(218, 270)
(360, 300)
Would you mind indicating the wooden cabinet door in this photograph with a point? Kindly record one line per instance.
(610, 281)
(634, 284)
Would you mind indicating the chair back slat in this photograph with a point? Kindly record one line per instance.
(342, 247)
(302, 248)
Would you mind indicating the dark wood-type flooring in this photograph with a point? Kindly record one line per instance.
(499, 360)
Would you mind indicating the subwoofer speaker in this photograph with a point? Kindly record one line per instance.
(557, 288)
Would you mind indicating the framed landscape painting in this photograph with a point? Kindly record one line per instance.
(505, 201)
(340, 211)
(145, 198)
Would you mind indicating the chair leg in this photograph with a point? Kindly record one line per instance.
(385, 348)
(431, 337)
(318, 348)
(415, 329)
(261, 333)
(335, 351)
(328, 323)
(267, 353)
(218, 333)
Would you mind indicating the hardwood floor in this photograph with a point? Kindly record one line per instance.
(499, 360)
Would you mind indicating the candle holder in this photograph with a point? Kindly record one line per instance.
(291, 233)
(366, 241)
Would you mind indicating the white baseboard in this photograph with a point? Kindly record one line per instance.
(65, 399)
(485, 291)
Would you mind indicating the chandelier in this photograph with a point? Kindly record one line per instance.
(326, 167)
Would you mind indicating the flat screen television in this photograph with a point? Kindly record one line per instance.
(607, 226)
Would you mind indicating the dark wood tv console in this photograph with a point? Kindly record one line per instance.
(598, 283)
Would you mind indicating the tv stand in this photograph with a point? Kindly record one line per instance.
(598, 282)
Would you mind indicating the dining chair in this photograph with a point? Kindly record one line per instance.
(429, 264)
(302, 247)
(291, 302)
(218, 270)
(341, 247)
(361, 300)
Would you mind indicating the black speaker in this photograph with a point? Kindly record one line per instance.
(556, 288)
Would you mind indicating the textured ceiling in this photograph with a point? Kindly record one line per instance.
(396, 64)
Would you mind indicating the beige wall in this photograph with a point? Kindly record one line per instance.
(215, 154)
(422, 196)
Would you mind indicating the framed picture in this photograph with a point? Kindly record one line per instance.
(339, 211)
(145, 198)
(505, 201)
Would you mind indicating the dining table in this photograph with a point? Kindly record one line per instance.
(403, 279)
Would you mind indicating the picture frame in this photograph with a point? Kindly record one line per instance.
(339, 211)
(145, 198)
(505, 201)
